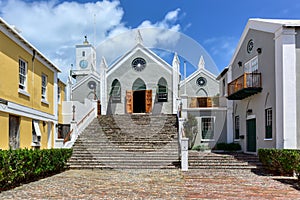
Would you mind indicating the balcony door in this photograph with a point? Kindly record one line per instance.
(14, 132)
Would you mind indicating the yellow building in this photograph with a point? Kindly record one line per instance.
(30, 94)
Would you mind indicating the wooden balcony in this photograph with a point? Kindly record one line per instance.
(206, 102)
(246, 85)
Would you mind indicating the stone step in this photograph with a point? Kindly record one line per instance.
(125, 155)
(247, 167)
(127, 162)
(200, 160)
(113, 167)
(127, 142)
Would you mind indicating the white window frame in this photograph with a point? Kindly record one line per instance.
(44, 84)
(200, 125)
(23, 84)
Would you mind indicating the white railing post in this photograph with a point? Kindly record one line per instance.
(184, 154)
(180, 131)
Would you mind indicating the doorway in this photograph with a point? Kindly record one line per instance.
(251, 135)
(14, 132)
(139, 98)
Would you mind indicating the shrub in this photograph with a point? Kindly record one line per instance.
(201, 148)
(228, 146)
(280, 161)
(23, 165)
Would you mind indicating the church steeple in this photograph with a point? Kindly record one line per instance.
(201, 64)
(139, 38)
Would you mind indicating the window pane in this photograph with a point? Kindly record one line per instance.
(207, 128)
(237, 127)
(22, 74)
(268, 123)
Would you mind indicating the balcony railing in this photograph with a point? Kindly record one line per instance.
(206, 102)
(246, 85)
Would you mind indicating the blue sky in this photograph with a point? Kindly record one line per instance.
(55, 27)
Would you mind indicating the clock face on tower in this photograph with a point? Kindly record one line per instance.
(138, 64)
(83, 64)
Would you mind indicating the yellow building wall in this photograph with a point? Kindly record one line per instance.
(4, 130)
(25, 132)
(10, 53)
(62, 97)
(44, 132)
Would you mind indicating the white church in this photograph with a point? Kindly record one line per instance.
(141, 82)
(138, 82)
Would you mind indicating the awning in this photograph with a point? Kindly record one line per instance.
(37, 128)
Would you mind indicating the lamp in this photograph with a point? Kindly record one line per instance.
(249, 111)
(240, 63)
(258, 50)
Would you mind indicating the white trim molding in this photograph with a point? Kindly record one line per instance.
(21, 110)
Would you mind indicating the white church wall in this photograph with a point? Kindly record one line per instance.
(81, 109)
(150, 75)
(82, 91)
(210, 89)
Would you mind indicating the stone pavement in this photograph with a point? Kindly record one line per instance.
(163, 184)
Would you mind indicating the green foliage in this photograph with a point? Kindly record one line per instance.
(280, 161)
(201, 148)
(190, 128)
(228, 147)
(23, 165)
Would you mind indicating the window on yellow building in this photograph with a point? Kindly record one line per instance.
(44, 87)
(22, 74)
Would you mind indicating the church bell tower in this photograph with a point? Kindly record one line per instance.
(85, 60)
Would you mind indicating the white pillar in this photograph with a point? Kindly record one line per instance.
(175, 80)
(103, 83)
(285, 74)
(184, 154)
(184, 100)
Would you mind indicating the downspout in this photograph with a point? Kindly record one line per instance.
(32, 59)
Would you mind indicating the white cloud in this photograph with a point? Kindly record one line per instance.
(221, 45)
(221, 49)
(56, 27)
(172, 15)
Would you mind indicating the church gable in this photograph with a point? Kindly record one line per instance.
(89, 88)
(200, 83)
(140, 66)
(139, 51)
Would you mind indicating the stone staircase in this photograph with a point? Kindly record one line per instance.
(127, 142)
(211, 160)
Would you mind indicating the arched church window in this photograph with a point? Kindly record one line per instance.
(138, 84)
(115, 92)
(162, 90)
